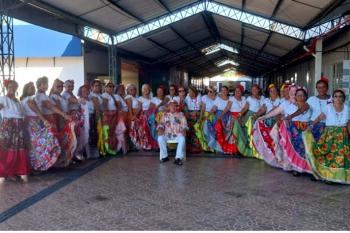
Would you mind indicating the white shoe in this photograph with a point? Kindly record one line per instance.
(24, 178)
(2, 180)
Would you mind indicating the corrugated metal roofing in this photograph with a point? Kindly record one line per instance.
(180, 43)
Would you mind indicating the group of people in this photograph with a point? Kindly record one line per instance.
(287, 130)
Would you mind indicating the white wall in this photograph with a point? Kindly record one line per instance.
(62, 68)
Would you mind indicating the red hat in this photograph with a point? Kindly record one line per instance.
(323, 78)
(6, 82)
(240, 87)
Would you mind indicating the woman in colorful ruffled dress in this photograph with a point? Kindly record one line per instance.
(65, 128)
(51, 113)
(317, 105)
(201, 127)
(87, 109)
(222, 125)
(262, 140)
(245, 129)
(95, 133)
(44, 148)
(140, 132)
(123, 126)
(14, 159)
(286, 108)
(157, 107)
(329, 157)
(134, 107)
(193, 102)
(109, 119)
(291, 133)
(74, 111)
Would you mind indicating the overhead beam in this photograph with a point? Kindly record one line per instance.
(190, 44)
(124, 11)
(332, 6)
(274, 12)
(61, 14)
(162, 4)
(171, 51)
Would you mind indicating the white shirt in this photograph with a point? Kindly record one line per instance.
(220, 103)
(41, 97)
(317, 106)
(26, 109)
(66, 95)
(145, 102)
(254, 104)
(111, 104)
(12, 108)
(304, 117)
(338, 119)
(269, 104)
(87, 105)
(63, 104)
(283, 100)
(237, 106)
(209, 103)
(288, 108)
(156, 101)
(134, 101)
(193, 104)
(125, 107)
(99, 98)
(176, 98)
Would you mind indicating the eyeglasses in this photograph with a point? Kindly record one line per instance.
(210, 91)
(338, 96)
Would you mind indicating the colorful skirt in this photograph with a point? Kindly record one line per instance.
(108, 131)
(140, 133)
(95, 133)
(264, 143)
(66, 138)
(224, 132)
(293, 145)
(44, 148)
(153, 121)
(244, 137)
(317, 130)
(202, 132)
(78, 118)
(14, 158)
(329, 157)
(282, 159)
(193, 144)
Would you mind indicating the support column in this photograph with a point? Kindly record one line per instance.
(7, 54)
(318, 62)
(114, 65)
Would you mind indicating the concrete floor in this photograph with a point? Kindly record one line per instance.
(136, 192)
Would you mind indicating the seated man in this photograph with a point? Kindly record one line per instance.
(172, 127)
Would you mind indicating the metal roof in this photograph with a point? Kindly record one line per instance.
(174, 32)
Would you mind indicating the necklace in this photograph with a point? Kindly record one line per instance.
(339, 116)
(194, 103)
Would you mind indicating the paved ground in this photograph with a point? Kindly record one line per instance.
(137, 193)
